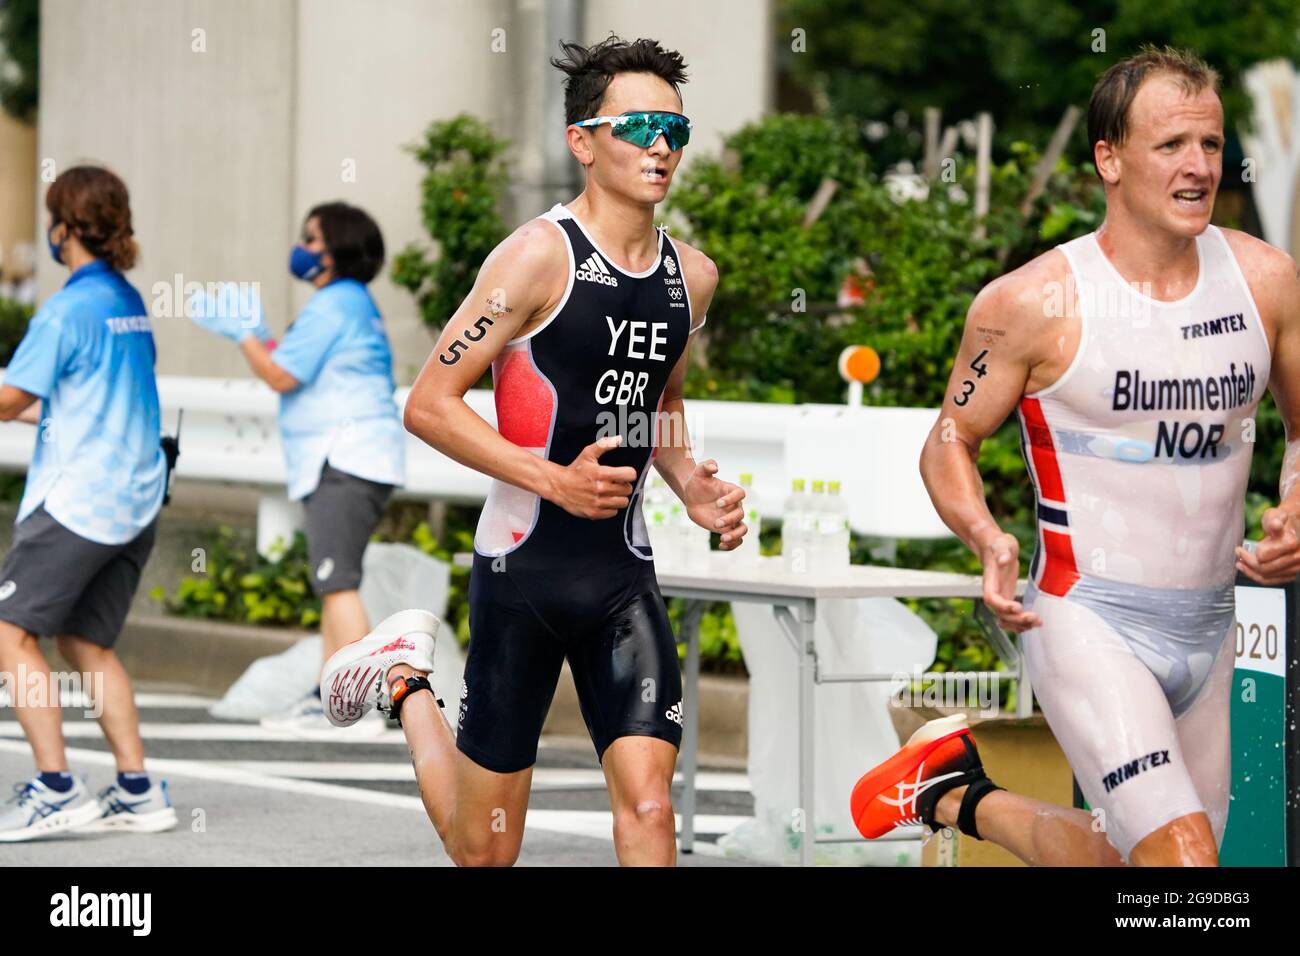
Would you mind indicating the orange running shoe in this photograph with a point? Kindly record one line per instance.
(904, 790)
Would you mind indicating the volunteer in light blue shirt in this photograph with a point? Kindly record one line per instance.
(88, 354)
(84, 375)
(339, 424)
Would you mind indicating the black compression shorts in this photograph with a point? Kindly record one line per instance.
(612, 627)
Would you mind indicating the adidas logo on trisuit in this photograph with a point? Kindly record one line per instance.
(595, 270)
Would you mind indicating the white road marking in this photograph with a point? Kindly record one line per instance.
(76, 700)
(544, 778)
(227, 732)
(179, 701)
(597, 824)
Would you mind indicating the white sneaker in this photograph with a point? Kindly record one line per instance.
(353, 682)
(306, 720)
(305, 714)
(37, 811)
(121, 811)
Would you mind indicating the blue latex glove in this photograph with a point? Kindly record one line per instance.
(231, 311)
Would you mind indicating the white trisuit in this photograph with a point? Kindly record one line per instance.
(1140, 455)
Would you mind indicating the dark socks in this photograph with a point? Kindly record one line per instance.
(60, 781)
(134, 783)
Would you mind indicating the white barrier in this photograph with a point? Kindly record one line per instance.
(229, 434)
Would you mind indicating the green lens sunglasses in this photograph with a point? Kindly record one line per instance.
(642, 129)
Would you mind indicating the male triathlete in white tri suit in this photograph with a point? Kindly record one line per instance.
(1136, 356)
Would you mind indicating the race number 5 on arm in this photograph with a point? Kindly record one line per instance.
(521, 282)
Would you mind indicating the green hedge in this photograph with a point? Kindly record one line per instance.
(237, 584)
(20, 50)
(14, 317)
(460, 198)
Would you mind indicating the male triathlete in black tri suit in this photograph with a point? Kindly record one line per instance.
(584, 316)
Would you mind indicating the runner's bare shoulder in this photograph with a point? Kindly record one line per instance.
(1270, 273)
(701, 271)
(531, 266)
(1025, 307)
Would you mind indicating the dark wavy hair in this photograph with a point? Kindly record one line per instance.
(589, 69)
(96, 207)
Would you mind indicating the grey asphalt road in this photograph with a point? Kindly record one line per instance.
(248, 797)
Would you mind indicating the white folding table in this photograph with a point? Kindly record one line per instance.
(793, 597)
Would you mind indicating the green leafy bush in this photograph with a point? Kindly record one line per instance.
(20, 44)
(12, 486)
(1023, 60)
(14, 317)
(459, 204)
(775, 333)
(240, 585)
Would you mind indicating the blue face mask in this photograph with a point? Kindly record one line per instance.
(304, 263)
(55, 250)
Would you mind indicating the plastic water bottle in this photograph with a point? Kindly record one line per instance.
(794, 546)
(814, 520)
(677, 534)
(748, 552)
(663, 536)
(698, 559)
(834, 525)
(692, 541)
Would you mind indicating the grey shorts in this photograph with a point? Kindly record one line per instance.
(341, 514)
(54, 582)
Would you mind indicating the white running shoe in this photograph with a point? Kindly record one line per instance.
(36, 811)
(353, 682)
(121, 811)
(306, 720)
(305, 714)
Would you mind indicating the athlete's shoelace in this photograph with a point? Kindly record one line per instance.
(915, 821)
(111, 804)
(27, 797)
